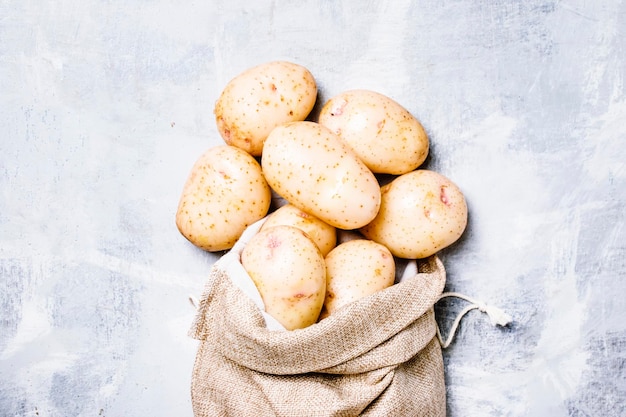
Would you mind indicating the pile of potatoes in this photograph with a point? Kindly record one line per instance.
(343, 197)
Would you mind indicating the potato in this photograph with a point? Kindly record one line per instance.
(313, 169)
(356, 269)
(289, 271)
(323, 234)
(387, 138)
(421, 213)
(224, 193)
(257, 100)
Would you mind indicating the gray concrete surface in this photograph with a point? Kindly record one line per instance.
(105, 105)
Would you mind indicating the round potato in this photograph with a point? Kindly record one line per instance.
(289, 271)
(261, 98)
(356, 269)
(421, 213)
(313, 169)
(224, 193)
(387, 138)
(323, 234)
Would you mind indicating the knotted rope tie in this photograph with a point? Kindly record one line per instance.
(497, 316)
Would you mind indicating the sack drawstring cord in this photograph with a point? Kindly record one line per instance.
(497, 316)
(194, 302)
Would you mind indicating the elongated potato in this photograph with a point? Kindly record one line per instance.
(313, 169)
(261, 98)
(386, 136)
(224, 193)
(356, 269)
(289, 271)
(323, 234)
(421, 213)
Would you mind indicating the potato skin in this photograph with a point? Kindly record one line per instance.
(386, 136)
(261, 98)
(320, 232)
(289, 271)
(356, 269)
(313, 169)
(224, 193)
(421, 213)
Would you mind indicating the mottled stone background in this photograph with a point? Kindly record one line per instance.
(105, 105)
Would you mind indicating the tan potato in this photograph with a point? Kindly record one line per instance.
(323, 234)
(261, 98)
(356, 269)
(289, 271)
(386, 136)
(224, 193)
(313, 169)
(421, 213)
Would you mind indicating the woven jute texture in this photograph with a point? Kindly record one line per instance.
(375, 357)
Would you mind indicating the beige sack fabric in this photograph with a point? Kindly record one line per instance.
(378, 356)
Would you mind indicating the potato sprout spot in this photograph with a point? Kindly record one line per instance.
(443, 197)
(338, 109)
(380, 125)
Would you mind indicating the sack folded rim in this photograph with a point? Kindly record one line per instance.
(245, 338)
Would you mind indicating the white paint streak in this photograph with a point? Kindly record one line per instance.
(383, 36)
(34, 325)
(496, 179)
(560, 358)
(604, 63)
(607, 161)
(137, 270)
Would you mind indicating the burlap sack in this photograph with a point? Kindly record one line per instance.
(378, 356)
